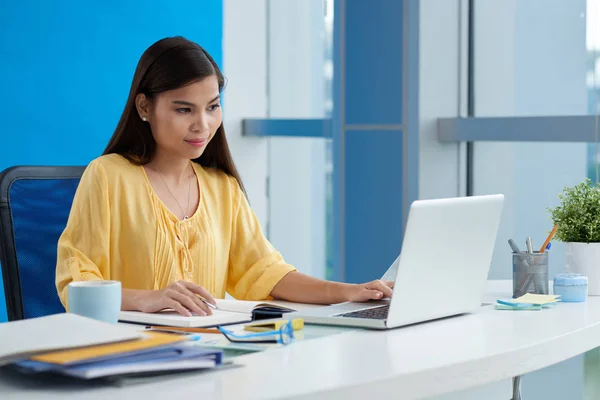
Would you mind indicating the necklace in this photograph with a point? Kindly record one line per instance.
(185, 214)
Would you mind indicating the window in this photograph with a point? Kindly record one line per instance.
(300, 75)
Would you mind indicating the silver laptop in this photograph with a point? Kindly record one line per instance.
(441, 271)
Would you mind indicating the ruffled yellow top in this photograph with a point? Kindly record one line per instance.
(119, 229)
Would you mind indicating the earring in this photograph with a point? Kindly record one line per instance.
(144, 119)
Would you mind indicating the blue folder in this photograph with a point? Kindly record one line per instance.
(173, 357)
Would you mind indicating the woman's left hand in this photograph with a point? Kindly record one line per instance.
(374, 290)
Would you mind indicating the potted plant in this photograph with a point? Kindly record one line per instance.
(578, 220)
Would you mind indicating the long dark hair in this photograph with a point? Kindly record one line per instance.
(169, 64)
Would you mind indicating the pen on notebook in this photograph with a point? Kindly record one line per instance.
(549, 238)
(214, 307)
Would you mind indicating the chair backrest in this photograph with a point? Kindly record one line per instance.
(35, 202)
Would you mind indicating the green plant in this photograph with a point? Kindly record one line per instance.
(578, 214)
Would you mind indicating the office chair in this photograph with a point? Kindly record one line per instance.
(35, 202)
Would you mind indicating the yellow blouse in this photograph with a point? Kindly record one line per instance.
(119, 229)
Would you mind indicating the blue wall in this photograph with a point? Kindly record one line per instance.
(66, 68)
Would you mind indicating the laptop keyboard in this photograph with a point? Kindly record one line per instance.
(370, 313)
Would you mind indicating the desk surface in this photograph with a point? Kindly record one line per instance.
(417, 361)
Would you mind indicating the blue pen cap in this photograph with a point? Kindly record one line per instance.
(570, 279)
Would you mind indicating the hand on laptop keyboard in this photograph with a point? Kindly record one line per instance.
(374, 290)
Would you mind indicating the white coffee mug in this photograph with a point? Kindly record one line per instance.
(99, 300)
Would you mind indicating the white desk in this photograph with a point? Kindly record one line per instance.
(418, 361)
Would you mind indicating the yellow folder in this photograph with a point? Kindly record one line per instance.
(151, 339)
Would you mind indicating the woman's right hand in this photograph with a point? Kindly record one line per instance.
(180, 296)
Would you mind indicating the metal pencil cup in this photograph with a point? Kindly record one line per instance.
(530, 273)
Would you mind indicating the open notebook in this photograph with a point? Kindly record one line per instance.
(229, 312)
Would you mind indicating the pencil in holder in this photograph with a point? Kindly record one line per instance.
(530, 273)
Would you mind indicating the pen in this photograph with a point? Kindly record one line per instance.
(182, 329)
(525, 286)
(549, 238)
(529, 246)
(513, 246)
(516, 250)
(214, 307)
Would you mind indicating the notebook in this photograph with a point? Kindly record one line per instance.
(19, 339)
(257, 309)
(229, 312)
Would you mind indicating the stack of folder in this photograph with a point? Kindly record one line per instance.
(97, 350)
(529, 301)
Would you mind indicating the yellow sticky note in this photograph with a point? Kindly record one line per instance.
(539, 299)
(297, 324)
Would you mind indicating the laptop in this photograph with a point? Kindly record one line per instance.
(441, 271)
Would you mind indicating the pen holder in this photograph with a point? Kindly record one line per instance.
(530, 273)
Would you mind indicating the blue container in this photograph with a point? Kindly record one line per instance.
(571, 287)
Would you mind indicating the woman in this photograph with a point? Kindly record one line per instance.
(164, 210)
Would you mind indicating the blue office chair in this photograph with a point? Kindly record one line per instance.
(34, 207)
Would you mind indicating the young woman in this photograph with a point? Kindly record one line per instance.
(164, 210)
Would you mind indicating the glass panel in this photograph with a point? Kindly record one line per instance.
(328, 93)
(299, 65)
(592, 358)
(530, 60)
(593, 79)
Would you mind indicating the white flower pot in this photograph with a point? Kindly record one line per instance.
(584, 258)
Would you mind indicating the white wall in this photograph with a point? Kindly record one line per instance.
(245, 67)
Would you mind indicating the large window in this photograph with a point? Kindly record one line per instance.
(593, 78)
(299, 181)
(538, 59)
(529, 59)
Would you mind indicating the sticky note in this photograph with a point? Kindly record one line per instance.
(539, 299)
